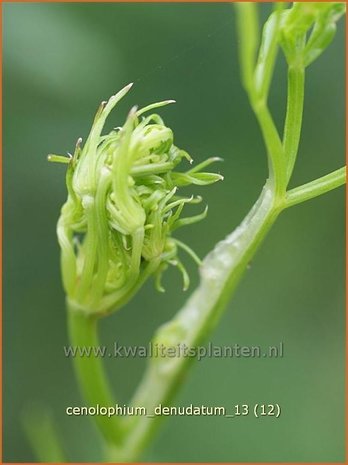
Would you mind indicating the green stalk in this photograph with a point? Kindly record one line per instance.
(317, 187)
(294, 112)
(275, 150)
(256, 77)
(90, 373)
(248, 26)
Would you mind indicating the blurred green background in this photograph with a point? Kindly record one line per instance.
(60, 61)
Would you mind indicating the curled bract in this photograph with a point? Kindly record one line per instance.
(115, 229)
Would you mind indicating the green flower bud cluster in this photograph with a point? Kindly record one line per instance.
(115, 229)
(308, 28)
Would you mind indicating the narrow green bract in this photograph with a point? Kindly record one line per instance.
(116, 226)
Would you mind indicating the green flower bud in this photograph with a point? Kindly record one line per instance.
(323, 31)
(115, 229)
(309, 23)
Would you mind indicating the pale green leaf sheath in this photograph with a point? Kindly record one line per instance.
(124, 204)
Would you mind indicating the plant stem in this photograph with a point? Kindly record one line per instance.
(315, 188)
(90, 372)
(248, 27)
(275, 150)
(257, 77)
(220, 273)
(293, 120)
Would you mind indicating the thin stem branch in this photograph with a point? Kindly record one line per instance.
(90, 372)
(248, 30)
(294, 112)
(257, 79)
(274, 147)
(315, 188)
